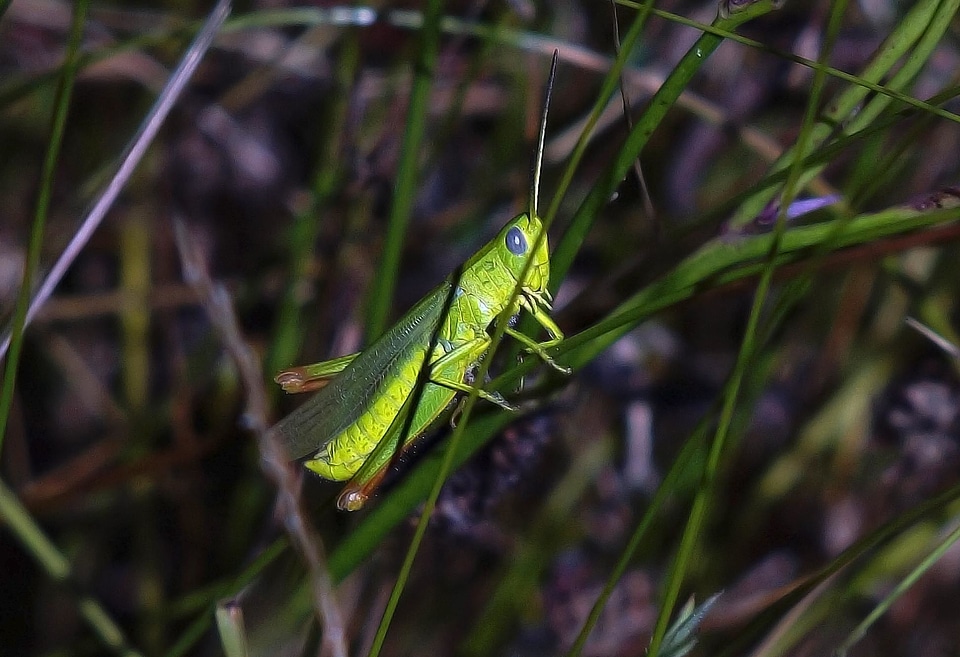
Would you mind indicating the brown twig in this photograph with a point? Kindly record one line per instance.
(274, 460)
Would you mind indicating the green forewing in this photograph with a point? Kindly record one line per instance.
(353, 392)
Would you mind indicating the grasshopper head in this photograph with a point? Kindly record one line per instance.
(517, 241)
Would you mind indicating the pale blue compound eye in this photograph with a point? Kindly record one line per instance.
(515, 241)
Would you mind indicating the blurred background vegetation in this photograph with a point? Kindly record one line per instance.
(735, 263)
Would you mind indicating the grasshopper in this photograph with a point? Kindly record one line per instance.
(374, 404)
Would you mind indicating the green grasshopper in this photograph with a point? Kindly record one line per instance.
(402, 383)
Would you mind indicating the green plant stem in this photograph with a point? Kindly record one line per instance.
(408, 171)
(404, 194)
(748, 348)
(698, 510)
(908, 47)
(306, 226)
(662, 101)
(718, 263)
(902, 587)
(32, 262)
(607, 88)
(42, 549)
(725, 260)
(664, 492)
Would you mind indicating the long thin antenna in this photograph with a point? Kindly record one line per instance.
(535, 189)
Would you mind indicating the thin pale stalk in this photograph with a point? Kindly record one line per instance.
(129, 160)
(216, 302)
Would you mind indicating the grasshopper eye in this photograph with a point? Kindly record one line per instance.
(515, 241)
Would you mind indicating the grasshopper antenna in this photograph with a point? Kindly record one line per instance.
(535, 189)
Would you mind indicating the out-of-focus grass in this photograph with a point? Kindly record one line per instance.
(747, 413)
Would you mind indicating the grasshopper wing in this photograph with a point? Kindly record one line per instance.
(351, 393)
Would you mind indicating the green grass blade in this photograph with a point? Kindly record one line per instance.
(913, 41)
(326, 181)
(745, 358)
(46, 553)
(662, 101)
(408, 172)
(32, 263)
(898, 591)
